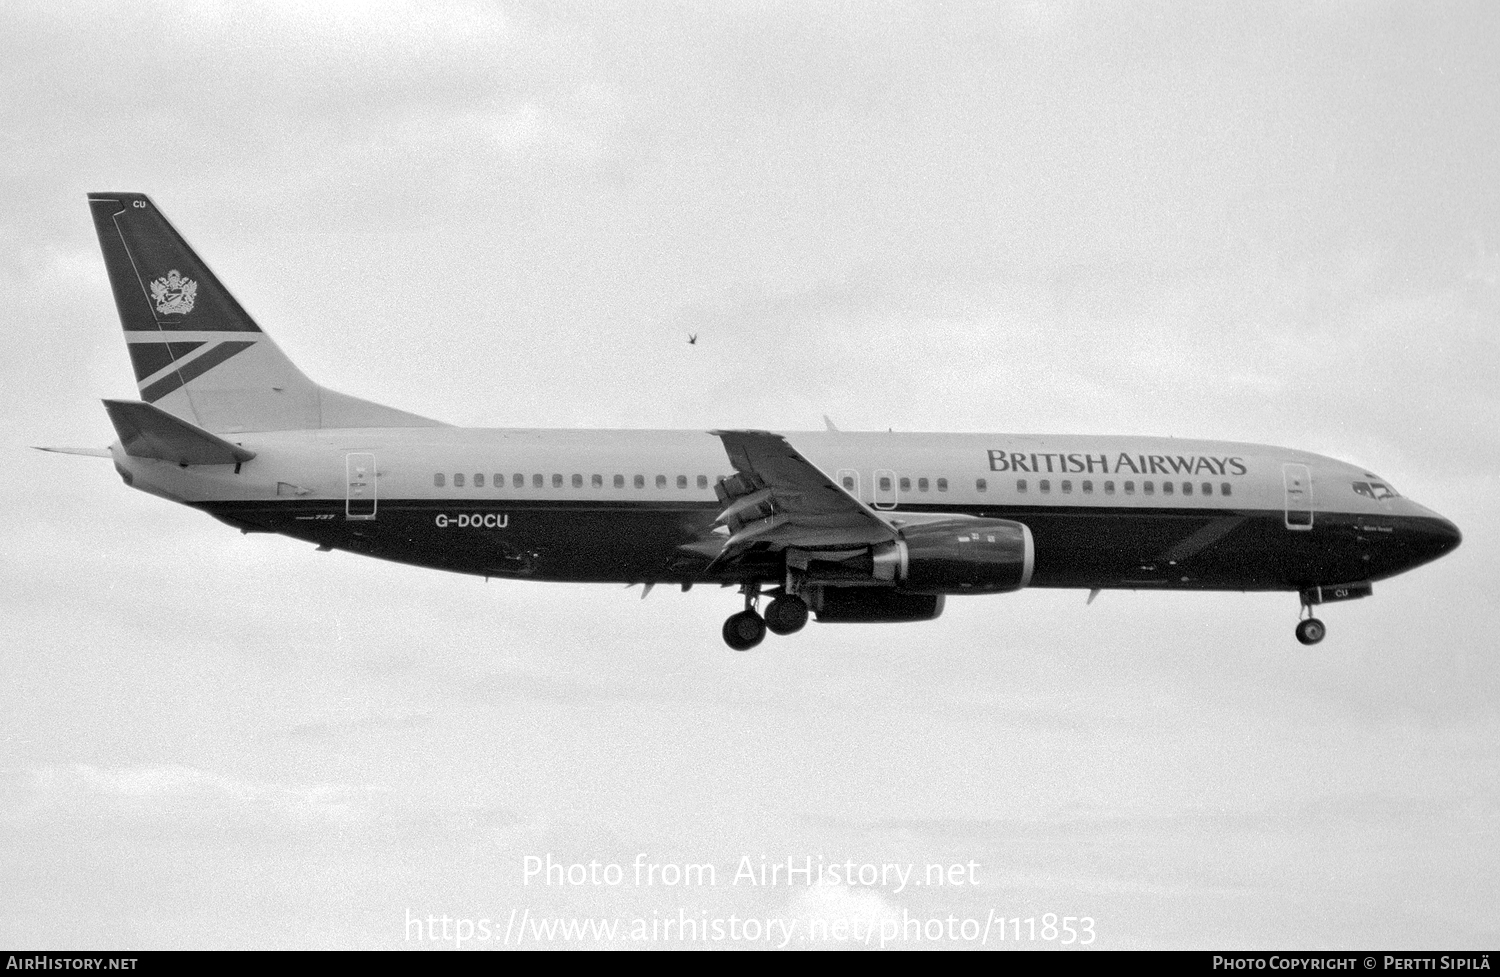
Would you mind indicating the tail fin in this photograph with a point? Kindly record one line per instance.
(197, 354)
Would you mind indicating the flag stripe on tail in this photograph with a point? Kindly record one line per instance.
(192, 370)
(147, 358)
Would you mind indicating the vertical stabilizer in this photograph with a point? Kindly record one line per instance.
(196, 353)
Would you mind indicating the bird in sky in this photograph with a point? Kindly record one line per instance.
(692, 339)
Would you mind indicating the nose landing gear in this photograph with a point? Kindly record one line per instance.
(1310, 630)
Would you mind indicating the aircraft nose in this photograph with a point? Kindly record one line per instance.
(1434, 537)
(1425, 538)
(1446, 535)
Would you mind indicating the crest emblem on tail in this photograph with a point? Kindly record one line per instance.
(174, 293)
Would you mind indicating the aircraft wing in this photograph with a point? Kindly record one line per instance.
(780, 499)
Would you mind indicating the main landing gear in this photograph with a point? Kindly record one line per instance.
(786, 614)
(744, 630)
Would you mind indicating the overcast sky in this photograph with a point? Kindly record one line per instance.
(1268, 222)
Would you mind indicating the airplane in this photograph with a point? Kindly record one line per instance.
(842, 526)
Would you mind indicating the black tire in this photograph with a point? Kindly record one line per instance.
(786, 614)
(1311, 631)
(744, 630)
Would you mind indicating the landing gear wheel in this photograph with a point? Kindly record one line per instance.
(786, 614)
(744, 630)
(1311, 631)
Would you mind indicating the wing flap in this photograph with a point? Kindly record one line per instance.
(779, 499)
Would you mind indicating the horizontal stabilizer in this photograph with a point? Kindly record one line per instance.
(88, 452)
(147, 431)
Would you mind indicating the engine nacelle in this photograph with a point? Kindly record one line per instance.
(958, 556)
(871, 605)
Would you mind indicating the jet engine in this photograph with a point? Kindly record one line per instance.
(955, 555)
(958, 556)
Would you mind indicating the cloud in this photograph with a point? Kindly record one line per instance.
(1018, 217)
(318, 730)
(204, 87)
(834, 913)
(182, 796)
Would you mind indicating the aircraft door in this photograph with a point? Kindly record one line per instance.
(359, 472)
(1299, 498)
(885, 488)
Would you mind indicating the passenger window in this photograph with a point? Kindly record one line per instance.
(661, 481)
(1224, 489)
(1109, 488)
(537, 481)
(905, 485)
(921, 485)
(682, 481)
(518, 480)
(942, 485)
(640, 481)
(619, 481)
(1187, 488)
(1129, 488)
(557, 481)
(1067, 485)
(1088, 486)
(1208, 488)
(597, 481)
(848, 482)
(703, 481)
(1020, 485)
(1046, 485)
(885, 483)
(1149, 488)
(438, 479)
(1166, 488)
(478, 481)
(981, 485)
(458, 480)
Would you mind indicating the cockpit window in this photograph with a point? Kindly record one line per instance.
(1376, 490)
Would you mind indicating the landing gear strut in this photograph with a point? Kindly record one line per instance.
(1310, 630)
(746, 629)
